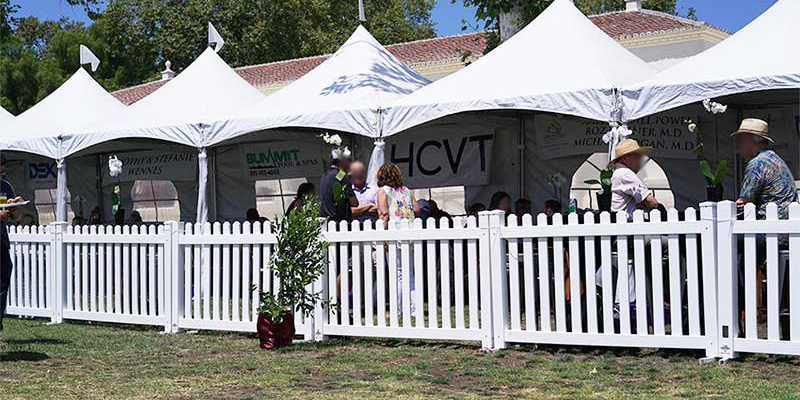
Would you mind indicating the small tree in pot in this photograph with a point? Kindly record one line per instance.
(297, 261)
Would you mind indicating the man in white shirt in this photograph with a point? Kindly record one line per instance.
(628, 192)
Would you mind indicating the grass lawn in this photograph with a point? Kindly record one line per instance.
(84, 361)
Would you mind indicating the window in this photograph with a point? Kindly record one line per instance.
(156, 201)
(46, 205)
(450, 199)
(652, 175)
(274, 196)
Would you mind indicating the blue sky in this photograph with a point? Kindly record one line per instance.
(728, 14)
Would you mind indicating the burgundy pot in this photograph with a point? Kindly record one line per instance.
(274, 335)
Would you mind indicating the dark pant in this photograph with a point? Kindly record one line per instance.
(5, 271)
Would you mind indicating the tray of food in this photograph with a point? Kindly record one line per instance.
(12, 203)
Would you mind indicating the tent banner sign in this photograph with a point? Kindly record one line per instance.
(442, 157)
(41, 174)
(173, 166)
(562, 136)
(281, 160)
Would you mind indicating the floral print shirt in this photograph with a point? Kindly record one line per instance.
(400, 204)
(768, 179)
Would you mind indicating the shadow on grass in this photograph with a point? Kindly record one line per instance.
(40, 341)
(23, 356)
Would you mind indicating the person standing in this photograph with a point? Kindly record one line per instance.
(6, 266)
(305, 191)
(767, 177)
(367, 195)
(336, 192)
(397, 204)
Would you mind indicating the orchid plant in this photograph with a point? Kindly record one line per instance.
(714, 176)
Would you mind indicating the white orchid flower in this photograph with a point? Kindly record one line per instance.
(713, 107)
(692, 127)
(114, 166)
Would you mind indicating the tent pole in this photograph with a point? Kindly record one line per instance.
(61, 187)
(212, 184)
(202, 186)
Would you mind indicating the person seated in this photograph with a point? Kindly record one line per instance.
(475, 209)
(136, 218)
(522, 207)
(96, 217)
(304, 191)
(437, 213)
(500, 201)
(552, 207)
(252, 215)
(628, 192)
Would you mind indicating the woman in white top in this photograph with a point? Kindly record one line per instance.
(395, 204)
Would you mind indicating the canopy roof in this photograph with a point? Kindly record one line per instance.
(343, 93)
(78, 102)
(561, 62)
(5, 116)
(180, 111)
(763, 55)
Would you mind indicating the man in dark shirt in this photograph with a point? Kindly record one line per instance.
(336, 193)
(7, 191)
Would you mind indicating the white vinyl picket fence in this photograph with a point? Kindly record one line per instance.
(667, 281)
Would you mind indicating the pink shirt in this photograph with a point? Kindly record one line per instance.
(627, 191)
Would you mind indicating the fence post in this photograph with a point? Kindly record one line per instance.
(58, 277)
(494, 296)
(320, 317)
(708, 242)
(173, 277)
(728, 279)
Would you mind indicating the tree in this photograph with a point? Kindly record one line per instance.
(488, 11)
(133, 38)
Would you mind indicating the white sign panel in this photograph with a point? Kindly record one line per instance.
(155, 166)
(442, 157)
(667, 134)
(281, 160)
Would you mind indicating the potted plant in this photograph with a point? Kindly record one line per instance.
(297, 261)
(604, 195)
(714, 179)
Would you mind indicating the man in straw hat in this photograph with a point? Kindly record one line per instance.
(628, 192)
(767, 178)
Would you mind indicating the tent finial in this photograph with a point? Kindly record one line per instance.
(362, 16)
(87, 57)
(215, 38)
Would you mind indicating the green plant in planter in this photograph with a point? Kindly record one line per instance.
(297, 261)
(715, 178)
(605, 178)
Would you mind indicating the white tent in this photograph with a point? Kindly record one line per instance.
(761, 56)
(561, 62)
(77, 103)
(344, 93)
(180, 111)
(5, 116)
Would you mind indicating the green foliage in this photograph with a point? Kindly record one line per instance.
(487, 12)
(715, 178)
(134, 38)
(298, 261)
(605, 178)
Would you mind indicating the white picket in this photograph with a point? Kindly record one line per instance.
(750, 319)
(432, 268)
(513, 278)
(591, 285)
(220, 274)
(640, 277)
(472, 276)
(344, 277)
(529, 277)
(246, 280)
(773, 292)
(544, 279)
(692, 277)
(558, 273)
(458, 279)
(656, 260)
(576, 314)
(675, 281)
(794, 277)
(444, 272)
(623, 278)
(369, 282)
(356, 283)
(380, 270)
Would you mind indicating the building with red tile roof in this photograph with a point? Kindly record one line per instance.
(658, 38)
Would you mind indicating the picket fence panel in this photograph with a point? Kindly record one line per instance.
(30, 292)
(598, 283)
(764, 264)
(418, 280)
(717, 279)
(217, 267)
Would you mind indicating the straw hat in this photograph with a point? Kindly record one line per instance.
(629, 146)
(755, 127)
